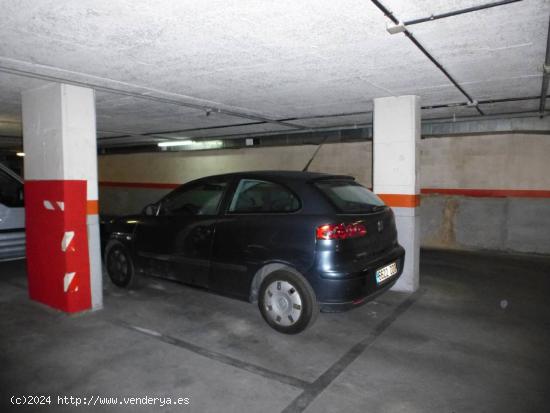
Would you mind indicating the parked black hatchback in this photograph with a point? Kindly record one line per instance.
(295, 242)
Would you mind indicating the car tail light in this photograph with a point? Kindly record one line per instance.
(341, 231)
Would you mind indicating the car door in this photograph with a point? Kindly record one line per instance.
(259, 225)
(177, 241)
(12, 215)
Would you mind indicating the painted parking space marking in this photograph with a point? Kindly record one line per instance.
(214, 355)
(310, 389)
(300, 403)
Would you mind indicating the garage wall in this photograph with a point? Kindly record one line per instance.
(486, 192)
(128, 182)
(479, 192)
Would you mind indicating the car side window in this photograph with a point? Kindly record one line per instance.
(200, 199)
(11, 191)
(256, 196)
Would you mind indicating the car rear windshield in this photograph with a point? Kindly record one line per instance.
(350, 197)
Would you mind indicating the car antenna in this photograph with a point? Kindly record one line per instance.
(314, 154)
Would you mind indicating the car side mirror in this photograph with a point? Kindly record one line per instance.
(151, 210)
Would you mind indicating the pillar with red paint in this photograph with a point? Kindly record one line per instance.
(63, 252)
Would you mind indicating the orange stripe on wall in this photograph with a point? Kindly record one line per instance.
(400, 200)
(92, 207)
(489, 193)
(483, 193)
(151, 185)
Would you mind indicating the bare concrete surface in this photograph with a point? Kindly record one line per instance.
(475, 338)
(505, 224)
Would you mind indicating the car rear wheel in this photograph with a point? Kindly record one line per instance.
(287, 302)
(119, 265)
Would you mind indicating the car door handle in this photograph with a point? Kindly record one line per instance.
(204, 232)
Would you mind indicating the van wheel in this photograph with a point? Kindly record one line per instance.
(119, 265)
(287, 302)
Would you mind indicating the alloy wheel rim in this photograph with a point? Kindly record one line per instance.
(283, 303)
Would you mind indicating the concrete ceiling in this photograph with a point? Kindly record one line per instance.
(297, 60)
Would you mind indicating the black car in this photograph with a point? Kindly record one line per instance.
(295, 242)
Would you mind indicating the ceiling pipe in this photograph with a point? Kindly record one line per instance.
(407, 33)
(212, 127)
(482, 102)
(545, 75)
(335, 115)
(247, 124)
(457, 12)
(506, 116)
(160, 135)
(140, 92)
(509, 115)
(430, 128)
(327, 116)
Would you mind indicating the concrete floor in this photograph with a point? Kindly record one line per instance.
(475, 338)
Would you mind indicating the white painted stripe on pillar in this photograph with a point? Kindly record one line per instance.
(66, 241)
(67, 280)
(408, 234)
(396, 139)
(96, 270)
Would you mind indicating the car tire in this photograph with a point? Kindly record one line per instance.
(287, 302)
(120, 266)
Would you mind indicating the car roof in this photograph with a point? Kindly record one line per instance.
(287, 175)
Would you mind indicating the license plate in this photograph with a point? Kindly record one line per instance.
(386, 272)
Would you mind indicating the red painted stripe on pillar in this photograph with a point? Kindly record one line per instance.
(58, 264)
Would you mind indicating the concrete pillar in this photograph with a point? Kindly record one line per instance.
(396, 179)
(62, 225)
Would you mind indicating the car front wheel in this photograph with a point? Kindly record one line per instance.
(287, 302)
(119, 265)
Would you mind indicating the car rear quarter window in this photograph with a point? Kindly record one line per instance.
(259, 196)
(349, 197)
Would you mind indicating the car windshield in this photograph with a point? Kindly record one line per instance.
(350, 197)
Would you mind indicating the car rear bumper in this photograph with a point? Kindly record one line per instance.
(352, 289)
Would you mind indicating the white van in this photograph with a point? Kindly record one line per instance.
(12, 215)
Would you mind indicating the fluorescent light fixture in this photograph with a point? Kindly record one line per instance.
(20, 154)
(192, 145)
(174, 143)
